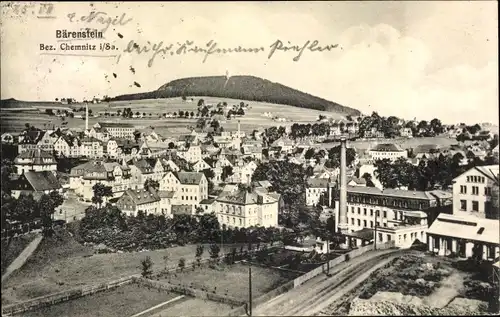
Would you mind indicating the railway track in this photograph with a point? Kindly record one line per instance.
(322, 291)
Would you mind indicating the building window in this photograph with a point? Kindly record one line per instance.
(359, 211)
(463, 189)
(364, 211)
(378, 213)
(371, 224)
(352, 221)
(352, 209)
(385, 214)
(364, 223)
(388, 237)
(487, 191)
(371, 212)
(359, 223)
(475, 205)
(463, 204)
(475, 190)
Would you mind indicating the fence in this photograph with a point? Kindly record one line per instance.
(52, 299)
(184, 290)
(345, 257)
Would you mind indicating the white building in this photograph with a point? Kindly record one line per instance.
(387, 151)
(472, 190)
(316, 187)
(190, 188)
(243, 208)
(35, 160)
(192, 154)
(396, 215)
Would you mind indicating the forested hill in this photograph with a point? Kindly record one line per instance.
(242, 88)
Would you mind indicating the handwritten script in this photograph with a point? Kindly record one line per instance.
(163, 49)
(100, 17)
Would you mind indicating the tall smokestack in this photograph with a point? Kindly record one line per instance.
(86, 117)
(343, 224)
(238, 127)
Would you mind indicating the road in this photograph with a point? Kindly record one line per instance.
(21, 258)
(320, 292)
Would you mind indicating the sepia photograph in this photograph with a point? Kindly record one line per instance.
(265, 158)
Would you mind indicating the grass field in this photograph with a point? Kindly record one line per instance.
(194, 307)
(61, 263)
(11, 248)
(15, 121)
(123, 301)
(232, 280)
(402, 142)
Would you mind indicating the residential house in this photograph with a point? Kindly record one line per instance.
(91, 148)
(243, 208)
(35, 183)
(201, 165)
(406, 132)
(67, 146)
(192, 153)
(35, 160)
(83, 177)
(316, 190)
(374, 133)
(356, 181)
(190, 188)
(472, 191)
(141, 170)
(135, 200)
(285, 144)
(28, 140)
(46, 142)
(208, 205)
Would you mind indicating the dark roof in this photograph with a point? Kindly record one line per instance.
(166, 194)
(425, 148)
(207, 201)
(317, 182)
(387, 147)
(142, 196)
(427, 195)
(245, 198)
(189, 178)
(364, 234)
(41, 181)
(143, 165)
(36, 156)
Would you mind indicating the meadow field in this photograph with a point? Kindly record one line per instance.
(123, 301)
(12, 120)
(231, 279)
(404, 143)
(61, 263)
(189, 306)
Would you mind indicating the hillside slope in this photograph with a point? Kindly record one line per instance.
(243, 88)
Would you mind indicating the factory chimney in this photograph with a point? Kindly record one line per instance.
(86, 117)
(343, 225)
(239, 127)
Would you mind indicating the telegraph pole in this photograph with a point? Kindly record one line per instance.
(375, 238)
(249, 290)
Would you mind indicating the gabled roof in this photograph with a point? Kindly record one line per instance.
(42, 181)
(244, 197)
(166, 193)
(143, 166)
(466, 227)
(189, 178)
(142, 196)
(208, 201)
(317, 183)
(36, 156)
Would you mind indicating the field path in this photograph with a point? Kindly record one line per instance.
(449, 289)
(23, 257)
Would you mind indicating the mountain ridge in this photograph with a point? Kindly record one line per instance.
(249, 88)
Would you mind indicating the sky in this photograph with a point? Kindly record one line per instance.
(410, 59)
